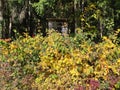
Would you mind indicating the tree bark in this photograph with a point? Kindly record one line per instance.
(10, 27)
(1, 18)
(72, 23)
(82, 11)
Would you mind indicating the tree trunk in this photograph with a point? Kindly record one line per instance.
(82, 11)
(72, 23)
(5, 15)
(10, 27)
(101, 28)
(43, 23)
(1, 18)
(75, 9)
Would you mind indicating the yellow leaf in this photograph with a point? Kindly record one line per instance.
(88, 70)
(118, 60)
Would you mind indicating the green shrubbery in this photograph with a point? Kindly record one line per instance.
(56, 62)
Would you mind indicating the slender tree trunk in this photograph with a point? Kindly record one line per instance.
(75, 9)
(10, 27)
(6, 16)
(82, 11)
(114, 13)
(101, 28)
(43, 23)
(29, 16)
(30, 25)
(72, 23)
(1, 18)
(3, 23)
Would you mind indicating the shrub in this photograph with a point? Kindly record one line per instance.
(59, 62)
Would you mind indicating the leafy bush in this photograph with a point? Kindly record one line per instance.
(59, 62)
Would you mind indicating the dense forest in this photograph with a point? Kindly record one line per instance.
(59, 44)
(101, 17)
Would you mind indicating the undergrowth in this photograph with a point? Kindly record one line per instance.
(58, 62)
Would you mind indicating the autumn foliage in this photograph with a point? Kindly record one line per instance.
(57, 62)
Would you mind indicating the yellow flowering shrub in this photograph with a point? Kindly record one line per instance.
(57, 62)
